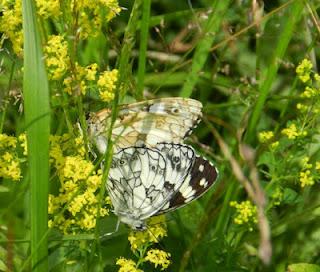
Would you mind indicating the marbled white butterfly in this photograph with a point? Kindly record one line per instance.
(146, 123)
(144, 182)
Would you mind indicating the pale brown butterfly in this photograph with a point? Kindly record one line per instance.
(146, 123)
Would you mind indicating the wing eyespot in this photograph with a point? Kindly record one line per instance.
(175, 110)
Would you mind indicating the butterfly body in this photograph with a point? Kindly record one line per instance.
(144, 182)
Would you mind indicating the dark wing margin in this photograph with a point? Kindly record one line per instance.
(201, 177)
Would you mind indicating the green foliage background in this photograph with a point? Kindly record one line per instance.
(239, 59)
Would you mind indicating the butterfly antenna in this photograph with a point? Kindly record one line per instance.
(158, 241)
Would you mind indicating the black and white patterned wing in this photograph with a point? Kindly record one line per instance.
(143, 180)
(202, 176)
(136, 174)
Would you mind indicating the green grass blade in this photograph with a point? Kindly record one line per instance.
(202, 50)
(269, 74)
(143, 46)
(37, 117)
(128, 42)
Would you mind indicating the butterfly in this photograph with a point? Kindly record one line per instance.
(146, 123)
(144, 182)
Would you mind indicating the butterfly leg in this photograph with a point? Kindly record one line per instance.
(111, 233)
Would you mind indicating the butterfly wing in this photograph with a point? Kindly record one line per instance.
(147, 123)
(202, 176)
(134, 177)
(143, 180)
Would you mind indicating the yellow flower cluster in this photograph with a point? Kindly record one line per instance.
(140, 241)
(277, 196)
(303, 70)
(11, 23)
(81, 79)
(57, 59)
(155, 232)
(305, 163)
(76, 205)
(292, 132)
(306, 178)
(89, 17)
(246, 213)
(158, 257)
(127, 265)
(9, 160)
(310, 92)
(93, 13)
(265, 136)
(48, 8)
(107, 85)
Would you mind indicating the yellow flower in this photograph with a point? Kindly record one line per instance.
(274, 145)
(88, 221)
(91, 71)
(79, 187)
(265, 136)
(92, 14)
(7, 141)
(80, 81)
(23, 143)
(309, 92)
(305, 163)
(306, 179)
(127, 265)
(301, 107)
(57, 59)
(292, 132)
(107, 85)
(246, 213)
(9, 160)
(156, 231)
(11, 24)
(304, 69)
(317, 165)
(158, 257)
(48, 8)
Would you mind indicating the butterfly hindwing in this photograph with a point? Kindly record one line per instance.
(147, 181)
(201, 177)
(143, 180)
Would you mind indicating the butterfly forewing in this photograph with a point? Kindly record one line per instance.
(147, 123)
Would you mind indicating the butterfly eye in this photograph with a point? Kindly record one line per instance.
(153, 168)
(121, 162)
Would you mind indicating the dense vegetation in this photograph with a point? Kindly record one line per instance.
(252, 64)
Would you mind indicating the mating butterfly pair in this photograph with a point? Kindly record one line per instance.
(152, 171)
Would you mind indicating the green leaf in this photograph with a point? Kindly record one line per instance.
(37, 117)
(303, 267)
